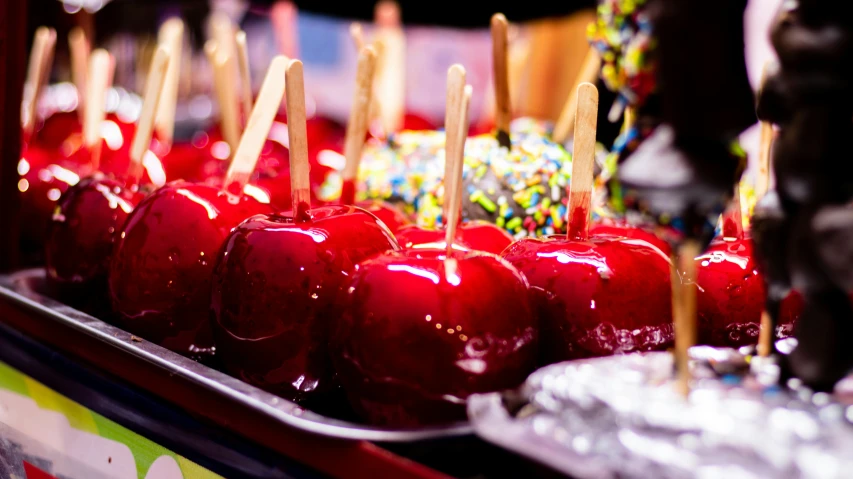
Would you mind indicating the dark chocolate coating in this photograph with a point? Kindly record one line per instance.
(684, 174)
(804, 239)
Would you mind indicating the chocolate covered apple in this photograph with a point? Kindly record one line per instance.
(595, 294)
(160, 276)
(90, 214)
(423, 329)
(279, 277)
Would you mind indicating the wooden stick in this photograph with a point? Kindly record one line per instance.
(100, 78)
(154, 86)
(500, 66)
(391, 71)
(684, 310)
(48, 59)
(257, 128)
(455, 96)
(35, 76)
(300, 184)
(733, 217)
(358, 122)
(245, 74)
(224, 84)
(588, 74)
(762, 186)
(357, 33)
(583, 162)
(79, 48)
(171, 37)
(453, 192)
(762, 178)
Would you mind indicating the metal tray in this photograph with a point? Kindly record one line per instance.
(23, 288)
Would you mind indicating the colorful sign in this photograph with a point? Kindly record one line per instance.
(44, 435)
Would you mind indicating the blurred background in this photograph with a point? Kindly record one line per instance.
(547, 48)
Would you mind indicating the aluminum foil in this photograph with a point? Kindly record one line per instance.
(622, 417)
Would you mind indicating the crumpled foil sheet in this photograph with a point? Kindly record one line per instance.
(622, 417)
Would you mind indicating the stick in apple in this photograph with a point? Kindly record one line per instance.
(733, 217)
(583, 162)
(684, 309)
(358, 123)
(588, 74)
(245, 74)
(453, 190)
(35, 78)
(766, 334)
(500, 66)
(154, 86)
(223, 82)
(100, 78)
(300, 181)
(170, 36)
(257, 128)
(79, 48)
(455, 96)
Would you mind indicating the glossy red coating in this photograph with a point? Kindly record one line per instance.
(418, 337)
(277, 285)
(606, 295)
(731, 295)
(389, 214)
(471, 235)
(159, 279)
(81, 235)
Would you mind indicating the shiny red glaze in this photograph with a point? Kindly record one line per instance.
(622, 229)
(276, 286)
(471, 235)
(417, 339)
(52, 131)
(414, 121)
(81, 235)
(731, 295)
(607, 295)
(159, 279)
(389, 214)
(44, 176)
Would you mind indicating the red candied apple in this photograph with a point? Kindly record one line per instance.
(159, 279)
(90, 214)
(275, 289)
(422, 331)
(595, 297)
(81, 236)
(595, 294)
(279, 278)
(620, 228)
(471, 235)
(731, 293)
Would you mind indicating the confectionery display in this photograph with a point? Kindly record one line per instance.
(640, 309)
